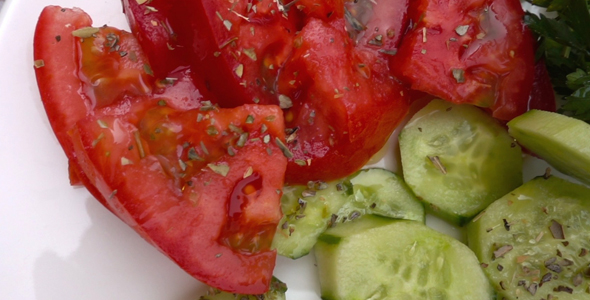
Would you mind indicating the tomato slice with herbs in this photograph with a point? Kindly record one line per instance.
(323, 63)
(201, 184)
(59, 74)
(236, 48)
(108, 74)
(55, 66)
(343, 102)
(154, 33)
(469, 51)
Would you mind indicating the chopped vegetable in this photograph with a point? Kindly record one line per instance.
(544, 251)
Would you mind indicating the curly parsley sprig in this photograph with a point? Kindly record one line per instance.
(564, 42)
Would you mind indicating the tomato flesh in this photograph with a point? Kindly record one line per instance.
(157, 38)
(106, 72)
(469, 51)
(344, 102)
(377, 27)
(180, 201)
(58, 82)
(165, 161)
(236, 49)
(255, 52)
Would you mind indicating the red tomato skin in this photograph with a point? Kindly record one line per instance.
(494, 57)
(57, 80)
(237, 60)
(168, 57)
(542, 94)
(60, 68)
(187, 223)
(385, 26)
(345, 103)
(156, 36)
(66, 97)
(325, 10)
(60, 86)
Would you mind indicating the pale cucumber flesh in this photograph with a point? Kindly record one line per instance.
(380, 258)
(310, 210)
(535, 241)
(562, 141)
(458, 159)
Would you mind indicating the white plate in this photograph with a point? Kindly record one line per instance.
(56, 241)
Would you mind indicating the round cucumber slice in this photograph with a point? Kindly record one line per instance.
(562, 141)
(458, 159)
(309, 210)
(382, 192)
(535, 242)
(380, 258)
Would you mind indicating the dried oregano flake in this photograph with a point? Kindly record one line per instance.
(462, 30)
(249, 171)
(557, 230)
(285, 102)
(85, 32)
(221, 169)
(459, 75)
(39, 63)
(502, 251)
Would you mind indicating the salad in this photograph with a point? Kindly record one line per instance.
(95, 139)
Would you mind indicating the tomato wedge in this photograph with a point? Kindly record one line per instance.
(469, 51)
(156, 36)
(201, 184)
(236, 48)
(343, 102)
(205, 193)
(57, 70)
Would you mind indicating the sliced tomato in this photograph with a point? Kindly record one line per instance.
(377, 26)
(205, 193)
(167, 56)
(77, 78)
(236, 48)
(269, 51)
(55, 65)
(57, 70)
(155, 35)
(324, 10)
(469, 51)
(199, 183)
(345, 104)
(112, 67)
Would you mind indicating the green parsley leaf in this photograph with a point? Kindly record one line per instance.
(564, 43)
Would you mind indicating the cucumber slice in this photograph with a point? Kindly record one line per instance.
(306, 214)
(458, 159)
(562, 141)
(519, 240)
(380, 258)
(382, 192)
(309, 210)
(276, 291)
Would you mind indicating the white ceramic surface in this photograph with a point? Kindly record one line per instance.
(56, 241)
